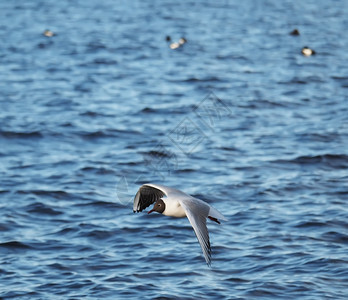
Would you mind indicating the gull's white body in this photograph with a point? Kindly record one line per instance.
(173, 208)
(176, 199)
(179, 204)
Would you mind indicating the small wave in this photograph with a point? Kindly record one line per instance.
(339, 161)
(195, 79)
(14, 245)
(130, 163)
(107, 133)
(231, 57)
(104, 61)
(237, 280)
(97, 134)
(173, 110)
(157, 154)
(308, 224)
(294, 80)
(187, 170)
(58, 266)
(58, 194)
(16, 134)
(305, 80)
(41, 208)
(341, 79)
(95, 45)
(117, 278)
(207, 79)
(318, 137)
(325, 263)
(148, 110)
(96, 170)
(100, 204)
(229, 148)
(94, 114)
(334, 160)
(65, 231)
(262, 292)
(335, 237)
(100, 234)
(263, 103)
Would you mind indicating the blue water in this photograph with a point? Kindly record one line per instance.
(236, 116)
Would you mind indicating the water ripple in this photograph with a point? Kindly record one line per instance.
(104, 105)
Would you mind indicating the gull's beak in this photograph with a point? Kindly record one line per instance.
(150, 211)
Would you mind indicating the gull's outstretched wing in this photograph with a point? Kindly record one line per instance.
(146, 196)
(197, 212)
(149, 193)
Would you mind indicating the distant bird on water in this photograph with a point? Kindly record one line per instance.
(295, 32)
(48, 33)
(174, 203)
(176, 45)
(307, 51)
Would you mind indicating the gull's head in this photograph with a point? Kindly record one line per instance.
(159, 206)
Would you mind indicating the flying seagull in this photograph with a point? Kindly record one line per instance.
(174, 203)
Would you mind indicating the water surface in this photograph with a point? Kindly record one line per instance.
(237, 117)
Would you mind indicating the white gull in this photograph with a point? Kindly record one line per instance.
(174, 203)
